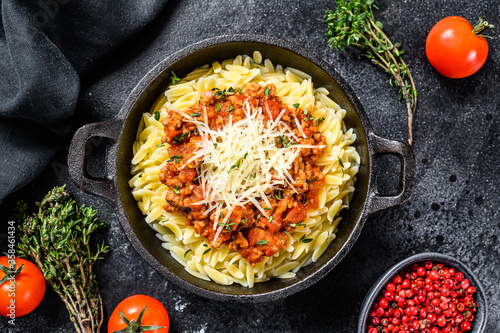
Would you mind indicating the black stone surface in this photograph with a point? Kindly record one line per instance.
(454, 208)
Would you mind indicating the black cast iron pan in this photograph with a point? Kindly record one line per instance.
(121, 131)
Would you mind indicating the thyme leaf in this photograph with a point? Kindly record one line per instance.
(56, 238)
(175, 158)
(353, 25)
(266, 91)
(174, 78)
(157, 115)
(178, 139)
(341, 167)
(176, 189)
(303, 239)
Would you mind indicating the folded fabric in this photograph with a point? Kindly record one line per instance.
(46, 47)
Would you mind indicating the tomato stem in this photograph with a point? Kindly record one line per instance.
(10, 274)
(136, 326)
(481, 26)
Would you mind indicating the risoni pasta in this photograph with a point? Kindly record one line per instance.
(339, 164)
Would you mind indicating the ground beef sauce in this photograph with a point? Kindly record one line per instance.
(250, 233)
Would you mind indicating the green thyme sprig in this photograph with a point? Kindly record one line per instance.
(354, 25)
(175, 158)
(303, 239)
(178, 139)
(228, 225)
(222, 94)
(56, 238)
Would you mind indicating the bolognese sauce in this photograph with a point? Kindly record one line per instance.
(254, 231)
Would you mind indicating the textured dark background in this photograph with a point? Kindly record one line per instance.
(454, 208)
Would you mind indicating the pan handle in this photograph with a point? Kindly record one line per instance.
(78, 153)
(381, 146)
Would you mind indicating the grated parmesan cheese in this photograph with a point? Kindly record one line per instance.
(242, 161)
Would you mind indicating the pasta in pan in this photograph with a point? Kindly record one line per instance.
(307, 240)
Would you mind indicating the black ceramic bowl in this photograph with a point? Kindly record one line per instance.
(121, 131)
(481, 315)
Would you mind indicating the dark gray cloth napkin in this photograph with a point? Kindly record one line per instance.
(46, 47)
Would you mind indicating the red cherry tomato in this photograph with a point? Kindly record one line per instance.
(21, 295)
(455, 48)
(131, 307)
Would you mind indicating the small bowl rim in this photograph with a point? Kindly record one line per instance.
(481, 315)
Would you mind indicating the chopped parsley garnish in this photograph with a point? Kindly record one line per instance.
(157, 115)
(175, 158)
(262, 242)
(174, 78)
(178, 139)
